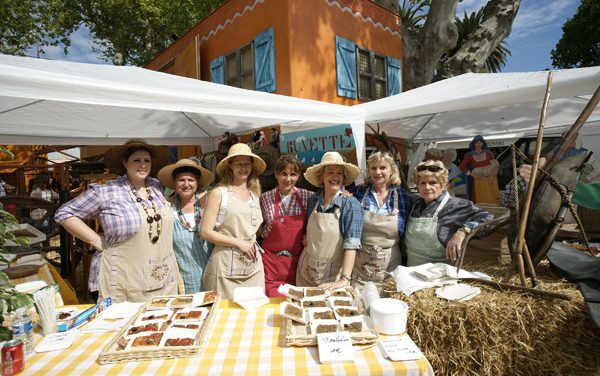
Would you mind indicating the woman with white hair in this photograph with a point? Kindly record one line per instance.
(438, 222)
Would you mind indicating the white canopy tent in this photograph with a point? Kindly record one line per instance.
(66, 103)
(488, 104)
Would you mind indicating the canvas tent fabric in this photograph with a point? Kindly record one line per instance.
(67, 103)
(489, 104)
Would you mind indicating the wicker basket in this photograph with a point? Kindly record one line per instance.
(297, 334)
(111, 353)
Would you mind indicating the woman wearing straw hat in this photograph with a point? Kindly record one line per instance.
(386, 206)
(334, 225)
(137, 246)
(186, 177)
(284, 213)
(438, 222)
(231, 219)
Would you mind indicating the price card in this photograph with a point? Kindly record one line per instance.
(335, 347)
(399, 348)
(57, 341)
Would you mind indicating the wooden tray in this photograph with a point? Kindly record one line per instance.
(111, 353)
(297, 334)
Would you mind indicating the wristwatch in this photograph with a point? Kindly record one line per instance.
(346, 277)
(465, 229)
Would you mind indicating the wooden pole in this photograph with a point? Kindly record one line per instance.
(521, 247)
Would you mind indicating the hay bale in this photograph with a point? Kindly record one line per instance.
(505, 332)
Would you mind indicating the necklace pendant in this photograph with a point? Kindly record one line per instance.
(154, 239)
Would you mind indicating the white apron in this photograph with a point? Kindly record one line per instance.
(422, 243)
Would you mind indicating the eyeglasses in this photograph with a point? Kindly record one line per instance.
(430, 168)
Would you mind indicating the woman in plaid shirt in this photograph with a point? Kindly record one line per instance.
(284, 214)
(137, 259)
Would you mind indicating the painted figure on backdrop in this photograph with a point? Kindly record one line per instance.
(284, 212)
(135, 255)
(438, 222)
(386, 206)
(186, 178)
(482, 173)
(231, 219)
(334, 227)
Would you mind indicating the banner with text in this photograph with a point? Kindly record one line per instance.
(310, 145)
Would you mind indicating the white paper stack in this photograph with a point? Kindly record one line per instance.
(113, 318)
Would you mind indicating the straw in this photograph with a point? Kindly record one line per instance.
(46, 307)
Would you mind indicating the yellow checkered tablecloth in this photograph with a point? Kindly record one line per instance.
(241, 342)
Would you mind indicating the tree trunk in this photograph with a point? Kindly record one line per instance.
(498, 16)
(422, 52)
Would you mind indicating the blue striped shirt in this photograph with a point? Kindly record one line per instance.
(351, 216)
(371, 204)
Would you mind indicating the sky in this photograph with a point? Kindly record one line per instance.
(536, 30)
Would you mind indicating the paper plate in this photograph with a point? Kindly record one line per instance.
(30, 286)
(459, 291)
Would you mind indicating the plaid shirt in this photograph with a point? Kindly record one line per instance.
(508, 197)
(267, 204)
(371, 204)
(113, 204)
(351, 216)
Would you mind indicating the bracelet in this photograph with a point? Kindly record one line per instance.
(345, 277)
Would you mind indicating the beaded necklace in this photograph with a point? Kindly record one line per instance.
(197, 214)
(150, 218)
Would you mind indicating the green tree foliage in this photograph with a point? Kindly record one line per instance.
(579, 45)
(123, 31)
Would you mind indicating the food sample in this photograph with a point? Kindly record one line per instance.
(153, 327)
(347, 312)
(155, 317)
(326, 328)
(64, 315)
(294, 310)
(341, 293)
(353, 326)
(179, 342)
(189, 315)
(342, 303)
(313, 303)
(122, 343)
(187, 326)
(182, 301)
(296, 294)
(149, 340)
(325, 315)
(160, 302)
(314, 292)
(209, 297)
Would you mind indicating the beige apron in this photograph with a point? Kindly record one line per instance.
(380, 245)
(322, 258)
(227, 267)
(136, 270)
(420, 237)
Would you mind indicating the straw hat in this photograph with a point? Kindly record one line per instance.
(314, 173)
(113, 158)
(258, 165)
(165, 175)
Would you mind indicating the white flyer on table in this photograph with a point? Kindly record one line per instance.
(399, 348)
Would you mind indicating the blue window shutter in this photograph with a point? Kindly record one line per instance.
(345, 61)
(264, 61)
(394, 76)
(217, 70)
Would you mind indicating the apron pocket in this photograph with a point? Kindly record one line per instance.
(157, 274)
(314, 270)
(238, 264)
(372, 261)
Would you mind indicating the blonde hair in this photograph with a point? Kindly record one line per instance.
(378, 156)
(253, 183)
(441, 175)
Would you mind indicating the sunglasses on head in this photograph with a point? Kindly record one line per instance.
(430, 168)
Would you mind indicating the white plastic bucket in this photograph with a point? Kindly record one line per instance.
(389, 316)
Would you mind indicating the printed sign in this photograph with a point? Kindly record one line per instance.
(335, 347)
(310, 145)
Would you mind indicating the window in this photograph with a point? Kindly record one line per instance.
(372, 78)
(239, 68)
(251, 66)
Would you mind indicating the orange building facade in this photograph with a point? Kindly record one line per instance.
(338, 51)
